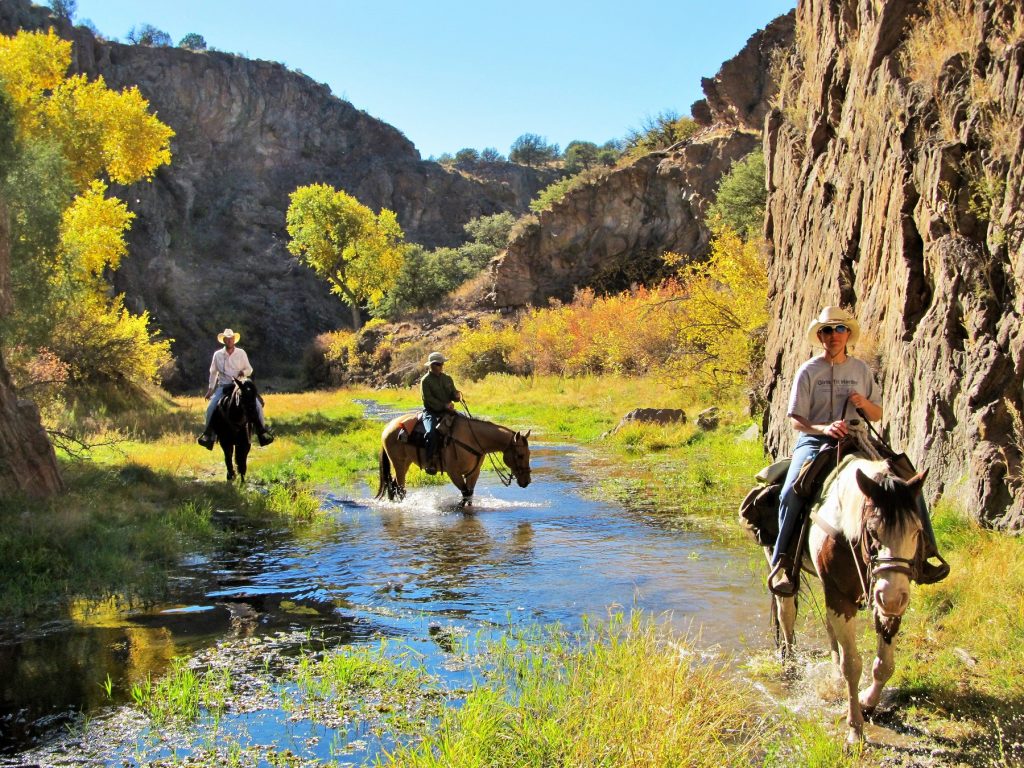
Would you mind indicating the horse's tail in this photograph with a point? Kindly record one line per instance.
(386, 481)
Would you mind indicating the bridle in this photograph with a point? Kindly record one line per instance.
(870, 564)
(869, 545)
(504, 476)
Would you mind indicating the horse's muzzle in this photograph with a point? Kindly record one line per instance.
(522, 482)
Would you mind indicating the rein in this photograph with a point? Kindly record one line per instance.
(506, 478)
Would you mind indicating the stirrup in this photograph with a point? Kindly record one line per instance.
(206, 440)
(265, 438)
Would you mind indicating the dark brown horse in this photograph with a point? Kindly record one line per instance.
(232, 421)
(462, 454)
(864, 548)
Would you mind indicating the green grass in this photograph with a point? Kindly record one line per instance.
(184, 694)
(620, 693)
(385, 685)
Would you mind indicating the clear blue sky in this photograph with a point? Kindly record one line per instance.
(451, 74)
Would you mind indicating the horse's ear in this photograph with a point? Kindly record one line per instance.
(916, 483)
(527, 435)
(515, 437)
(867, 486)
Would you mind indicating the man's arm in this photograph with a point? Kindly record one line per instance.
(243, 365)
(213, 376)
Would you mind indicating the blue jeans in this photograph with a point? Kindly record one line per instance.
(430, 421)
(791, 505)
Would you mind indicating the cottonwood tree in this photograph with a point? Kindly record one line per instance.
(62, 233)
(358, 253)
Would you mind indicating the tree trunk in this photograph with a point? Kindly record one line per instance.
(27, 461)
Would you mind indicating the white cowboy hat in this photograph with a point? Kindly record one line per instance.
(435, 357)
(833, 316)
(228, 334)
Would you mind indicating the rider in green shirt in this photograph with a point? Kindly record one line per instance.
(439, 397)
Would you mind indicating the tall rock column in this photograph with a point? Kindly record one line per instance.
(895, 173)
(27, 462)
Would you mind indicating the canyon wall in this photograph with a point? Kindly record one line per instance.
(895, 187)
(207, 249)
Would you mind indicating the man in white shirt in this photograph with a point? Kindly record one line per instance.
(230, 363)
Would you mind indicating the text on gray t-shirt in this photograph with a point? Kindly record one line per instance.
(821, 389)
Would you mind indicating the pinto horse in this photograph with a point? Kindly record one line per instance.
(863, 545)
(462, 454)
(232, 421)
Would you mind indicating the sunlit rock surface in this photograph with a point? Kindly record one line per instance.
(904, 202)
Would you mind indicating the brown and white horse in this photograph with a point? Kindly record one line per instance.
(863, 546)
(462, 454)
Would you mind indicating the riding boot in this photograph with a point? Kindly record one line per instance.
(264, 435)
(430, 466)
(783, 581)
(206, 440)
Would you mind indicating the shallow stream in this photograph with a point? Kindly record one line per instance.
(417, 571)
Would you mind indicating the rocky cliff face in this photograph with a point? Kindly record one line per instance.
(208, 246)
(610, 232)
(896, 185)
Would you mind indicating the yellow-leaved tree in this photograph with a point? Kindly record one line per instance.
(724, 307)
(358, 253)
(71, 137)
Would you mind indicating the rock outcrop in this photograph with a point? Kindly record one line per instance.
(611, 232)
(28, 463)
(740, 94)
(208, 246)
(895, 172)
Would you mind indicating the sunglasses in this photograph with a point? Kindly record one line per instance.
(828, 330)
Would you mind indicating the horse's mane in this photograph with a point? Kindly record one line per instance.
(894, 503)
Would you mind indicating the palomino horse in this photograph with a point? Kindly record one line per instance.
(232, 422)
(462, 454)
(864, 547)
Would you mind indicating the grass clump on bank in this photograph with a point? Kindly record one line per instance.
(385, 685)
(618, 694)
(964, 639)
(139, 502)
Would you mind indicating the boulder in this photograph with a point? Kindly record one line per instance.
(708, 419)
(651, 416)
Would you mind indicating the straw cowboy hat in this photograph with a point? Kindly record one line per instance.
(833, 316)
(228, 334)
(435, 357)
